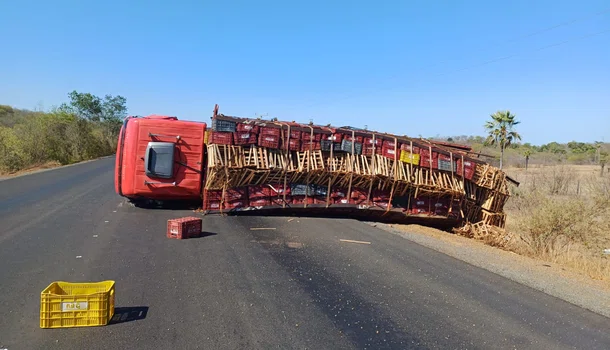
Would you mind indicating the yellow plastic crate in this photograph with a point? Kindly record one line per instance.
(65, 304)
(407, 157)
(206, 136)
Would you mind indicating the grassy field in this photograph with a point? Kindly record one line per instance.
(561, 214)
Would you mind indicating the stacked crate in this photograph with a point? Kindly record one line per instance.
(283, 164)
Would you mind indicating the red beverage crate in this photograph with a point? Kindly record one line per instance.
(334, 137)
(212, 199)
(369, 142)
(212, 204)
(260, 202)
(381, 196)
(293, 134)
(440, 206)
(221, 138)
(348, 137)
(382, 204)
(236, 193)
(182, 228)
(245, 138)
(306, 136)
(368, 150)
(269, 141)
(236, 203)
(358, 196)
(301, 200)
(420, 205)
(294, 145)
(424, 160)
(279, 200)
(407, 147)
(359, 193)
(469, 168)
(310, 145)
(444, 157)
(268, 131)
(321, 200)
(390, 153)
(278, 189)
(277, 194)
(340, 200)
(390, 144)
(212, 195)
(241, 127)
(338, 193)
(259, 191)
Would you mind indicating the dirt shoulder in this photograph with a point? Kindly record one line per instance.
(551, 279)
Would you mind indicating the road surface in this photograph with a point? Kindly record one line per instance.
(297, 286)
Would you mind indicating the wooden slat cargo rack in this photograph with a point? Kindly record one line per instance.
(277, 167)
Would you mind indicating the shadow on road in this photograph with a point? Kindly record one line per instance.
(206, 234)
(166, 204)
(129, 314)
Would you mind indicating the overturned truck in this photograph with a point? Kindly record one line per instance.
(266, 167)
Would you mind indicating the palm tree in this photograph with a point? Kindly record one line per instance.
(527, 153)
(501, 131)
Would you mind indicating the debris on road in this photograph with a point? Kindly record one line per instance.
(352, 241)
(289, 220)
(80, 304)
(79, 256)
(186, 227)
(294, 245)
(261, 228)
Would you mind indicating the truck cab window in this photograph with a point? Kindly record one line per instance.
(159, 160)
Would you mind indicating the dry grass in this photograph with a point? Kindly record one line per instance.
(562, 214)
(45, 165)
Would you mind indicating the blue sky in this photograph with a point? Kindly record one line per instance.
(421, 67)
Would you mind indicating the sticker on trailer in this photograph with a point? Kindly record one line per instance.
(76, 306)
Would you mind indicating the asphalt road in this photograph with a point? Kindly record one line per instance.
(296, 286)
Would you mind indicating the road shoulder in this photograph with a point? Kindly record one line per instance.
(548, 278)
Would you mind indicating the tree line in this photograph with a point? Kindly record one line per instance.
(504, 141)
(85, 127)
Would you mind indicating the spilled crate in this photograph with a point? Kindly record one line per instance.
(182, 228)
(66, 305)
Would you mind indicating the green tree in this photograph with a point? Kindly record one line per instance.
(501, 131)
(95, 109)
(108, 112)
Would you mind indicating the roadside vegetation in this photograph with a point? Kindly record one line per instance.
(86, 127)
(561, 211)
(561, 214)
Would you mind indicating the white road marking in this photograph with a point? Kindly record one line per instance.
(351, 241)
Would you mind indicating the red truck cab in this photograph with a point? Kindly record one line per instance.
(160, 158)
